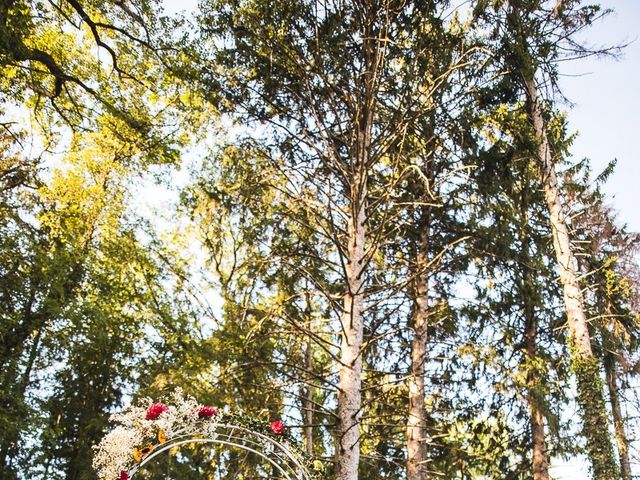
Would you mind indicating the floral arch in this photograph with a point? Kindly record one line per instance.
(147, 430)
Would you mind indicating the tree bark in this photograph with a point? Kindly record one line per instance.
(352, 335)
(350, 379)
(572, 294)
(352, 322)
(584, 364)
(611, 374)
(417, 415)
(539, 458)
(307, 394)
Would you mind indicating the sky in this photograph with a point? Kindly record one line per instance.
(605, 112)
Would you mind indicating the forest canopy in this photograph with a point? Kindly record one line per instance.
(359, 221)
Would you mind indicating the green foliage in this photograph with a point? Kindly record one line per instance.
(595, 422)
(235, 290)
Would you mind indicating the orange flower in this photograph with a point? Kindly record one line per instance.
(137, 455)
(162, 436)
(140, 453)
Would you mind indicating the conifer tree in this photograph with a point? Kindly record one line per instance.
(334, 86)
(608, 265)
(533, 37)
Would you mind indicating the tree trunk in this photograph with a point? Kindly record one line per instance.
(618, 420)
(350, 381)
(584, 364)
(352, 335)
(307, 396)
(417, 415)
(539, 459)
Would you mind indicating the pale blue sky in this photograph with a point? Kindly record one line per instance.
(607, 106)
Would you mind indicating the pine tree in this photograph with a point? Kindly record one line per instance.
(530, 56)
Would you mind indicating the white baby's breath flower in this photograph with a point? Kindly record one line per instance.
(114, 452)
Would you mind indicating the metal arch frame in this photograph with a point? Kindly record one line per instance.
(280, 457)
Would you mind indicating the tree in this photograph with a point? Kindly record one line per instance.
(532, 37)
(608, 265)
(362, 249)
(335, 88)
(50, 75)
(512, 243)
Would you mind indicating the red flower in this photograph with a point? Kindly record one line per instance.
(123, 475)
(207, 412)
(277, 427)
(155, 410)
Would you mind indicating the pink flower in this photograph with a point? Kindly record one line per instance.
(277, 427)
(207, 412)
(123, 475)
(155, 410)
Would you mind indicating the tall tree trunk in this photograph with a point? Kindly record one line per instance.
(539, 459)
(584, 364)
(352, 322)
(350, 380)
(307, 405)
(307, 394)
(352, 335)
(611, 373)
(417, 415)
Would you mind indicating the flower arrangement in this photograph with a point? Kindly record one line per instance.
(144, 427)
